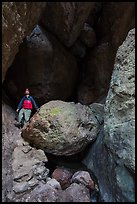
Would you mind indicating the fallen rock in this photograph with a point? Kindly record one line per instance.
(70, 15)
(62, 128)
(54, 183)
(51, 70)
(20, 187)
(63, 176)
(47, 193)
(75, 193)
(18, 20)
(41, 193)
(84, 178)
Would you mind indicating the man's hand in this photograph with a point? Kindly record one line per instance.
(17, 110)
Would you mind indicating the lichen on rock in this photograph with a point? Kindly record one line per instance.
(62, 128)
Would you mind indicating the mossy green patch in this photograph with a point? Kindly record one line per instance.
(54, 111)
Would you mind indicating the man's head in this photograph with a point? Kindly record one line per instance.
(27, 92)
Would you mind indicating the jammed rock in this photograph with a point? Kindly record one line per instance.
(114, 150)
(18, 20)
(45, 67)
(62, 128)
(66, 19)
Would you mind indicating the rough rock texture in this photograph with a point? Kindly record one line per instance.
(76, 193)
(70, 16)
(47, 193)
(45, 67)
(96, 73)
(41, 193)
(9, 136)
(114, 150)
(62, 176)
(29, 169)
(116, 19)
(18, 20)
(62, 128)
(54, 183)
(84, 178)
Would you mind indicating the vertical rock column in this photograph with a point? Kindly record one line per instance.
(112, 156)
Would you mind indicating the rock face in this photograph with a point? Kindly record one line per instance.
(96, 73)
(116, 19)
(9, 136)
(45, 67)
(114, 149)
(62, 128)
(18, 20)
(70, 15)
(29, 169)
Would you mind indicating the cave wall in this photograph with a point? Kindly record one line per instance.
(112, 156)
(78, 55)
(18, 20)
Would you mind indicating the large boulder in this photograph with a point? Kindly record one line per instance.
(62, 128)
(45, 67)
(66, 19)
(114, 150)
(18, 20)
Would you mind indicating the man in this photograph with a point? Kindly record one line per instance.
(25, 106)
